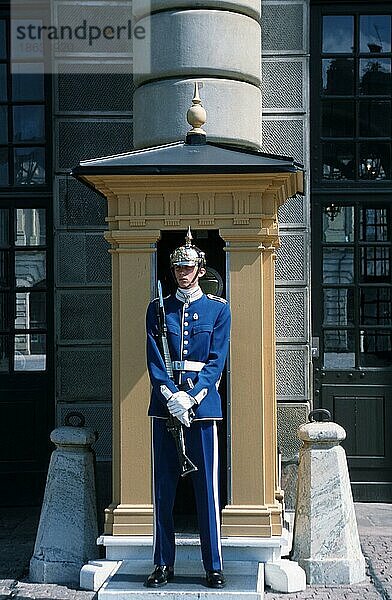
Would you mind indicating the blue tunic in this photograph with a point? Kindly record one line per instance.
(196, 332)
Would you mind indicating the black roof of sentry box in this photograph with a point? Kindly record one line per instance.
(195, 155)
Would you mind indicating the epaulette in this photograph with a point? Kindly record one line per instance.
(212, 297)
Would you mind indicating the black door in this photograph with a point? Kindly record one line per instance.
(351, 142)
(213, 282)
(352, 324)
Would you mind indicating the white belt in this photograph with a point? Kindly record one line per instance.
(187, 365)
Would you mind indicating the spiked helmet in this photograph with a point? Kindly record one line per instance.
(188, 255)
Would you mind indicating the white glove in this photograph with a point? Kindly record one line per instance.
(184, 419)
(180, 403)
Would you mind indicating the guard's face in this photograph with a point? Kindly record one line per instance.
(187, 277)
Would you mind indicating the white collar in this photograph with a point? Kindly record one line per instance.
(188, 296)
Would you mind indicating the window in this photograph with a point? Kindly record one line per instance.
(354, 99)
(23, 289)
(357, 286)
(23, 155)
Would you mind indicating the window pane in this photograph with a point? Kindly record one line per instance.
(376, 306)
(338, 306)
(339, 349)
(375, 348)
(337, 118)
(338, 34)
(4, 227)
(338, 265)
(338, 76)
(30, 352)
(3, 43)
(375, 33)
(375, 160)
(375, 264)
(4, 269)
(374, 225)
(3, 82)
(29, 123)
(30, 269)
(4, 353)
(375, 76)
(375, 118)
(29, 166)
(3, 125)
(3, 166)
(30, 227)
(341, 228)
(27, 81)
(4, 312)
(338, 160)
(30, 310)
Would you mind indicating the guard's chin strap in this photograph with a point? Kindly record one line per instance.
(196, 275)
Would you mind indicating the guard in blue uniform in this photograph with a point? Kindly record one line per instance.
(198, 329)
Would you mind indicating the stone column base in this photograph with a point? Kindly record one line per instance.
(334, 571)
(127, 519)
(258, 521)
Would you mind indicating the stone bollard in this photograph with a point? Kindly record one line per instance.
(68, 530)
(326, 542)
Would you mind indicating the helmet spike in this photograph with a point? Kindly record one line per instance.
(188, 238)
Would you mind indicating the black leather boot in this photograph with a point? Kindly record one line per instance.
(160, 576)
(215, 579)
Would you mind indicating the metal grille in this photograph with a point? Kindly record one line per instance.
(80, 140)
(85, 92)
(97, 249)
(292, 211)
(290, 417)
(82, 258)
(290, 259)
(84, 374)
(99, 14)
(291, 372)
(290, 315)
(282, 84)
(282, 27)
(78, 206)
(85, 316)
(99, 417)
(284, 137)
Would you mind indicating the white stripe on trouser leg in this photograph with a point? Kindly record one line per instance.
(153, 492)
(215, 484)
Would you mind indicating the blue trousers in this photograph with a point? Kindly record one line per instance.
(201, 442)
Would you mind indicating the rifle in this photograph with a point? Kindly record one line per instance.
(172, 423)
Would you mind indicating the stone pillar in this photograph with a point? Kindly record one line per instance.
(184, 43)
(253, 509)
(326, 542)
(131, 512)
(67, 531)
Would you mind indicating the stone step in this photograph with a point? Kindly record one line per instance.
(245, 581)
(122, 547)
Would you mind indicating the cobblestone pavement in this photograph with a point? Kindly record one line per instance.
(17, 534)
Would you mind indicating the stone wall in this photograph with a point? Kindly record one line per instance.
(285, 125)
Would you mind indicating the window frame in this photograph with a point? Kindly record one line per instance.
(10, 103)
(340, 8)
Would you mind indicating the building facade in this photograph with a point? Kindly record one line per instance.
(326, 101)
